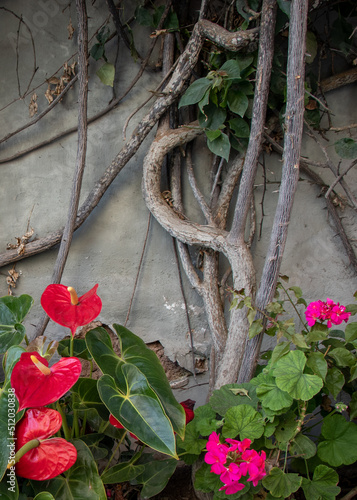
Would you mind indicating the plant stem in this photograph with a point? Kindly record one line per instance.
(66, 431)
(114, 452)
(34, 443)
(71, 341)
(294, 306)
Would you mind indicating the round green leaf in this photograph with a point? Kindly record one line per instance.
(323, 485)
(244, 421)
(334, 381)
(290, 377)
(317, 363)
(303, 446)
(280, 484)
(271, 396)
(340, 444)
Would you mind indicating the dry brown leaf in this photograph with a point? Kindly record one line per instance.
(33, 105)
(157, 33)
(48, 94)
(53, 80)
(312, 104)
(70, 29)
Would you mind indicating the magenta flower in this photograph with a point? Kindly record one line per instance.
(328, 311)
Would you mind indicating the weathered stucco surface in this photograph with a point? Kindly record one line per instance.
(35, 189)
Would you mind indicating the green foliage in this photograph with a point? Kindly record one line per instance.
(346, 148)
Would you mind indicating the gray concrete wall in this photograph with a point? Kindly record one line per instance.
(107, 248)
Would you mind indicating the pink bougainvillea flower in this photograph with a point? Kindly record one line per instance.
(65, 308)
(48, 457)
(118, 425)
(36, 384)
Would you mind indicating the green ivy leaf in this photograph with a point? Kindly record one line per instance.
(346, 148)
(340, 444)
(237, 102)
(106, 74)
(220, 146)
(240, 127)
(281, 484)
(303, 446)
(97, 51)
(334, 381)
(195, 92)
(244, 421)
(317, 363)
(323, 485)
(290, 377)
(342, 356)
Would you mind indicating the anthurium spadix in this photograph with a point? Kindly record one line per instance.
(36, 384)
(63, 306)
(39, 456)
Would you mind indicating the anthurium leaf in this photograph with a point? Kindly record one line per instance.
(14, 309)
(340, 441)
(138, 409)
(106, 74)
(281, 484)
(290, 376)
(342, 356)
(93, 441)
(44, 495)
(11, 358)
(79, 349)
(155, 476)
(334, 381)
(323, 485)
(81, 480)
(11, 335)
(271, 396)
(244, 421)
(351, 332)
(195, 92)
(87, 397)
(303, 446)
(317, 363)
(9, 491)
(237, 102)
(133, 350)
(220, 146)
(125, 471)
(8, 409)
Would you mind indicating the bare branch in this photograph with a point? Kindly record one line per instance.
(197, 193)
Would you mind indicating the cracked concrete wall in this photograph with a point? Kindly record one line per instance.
(35, 189)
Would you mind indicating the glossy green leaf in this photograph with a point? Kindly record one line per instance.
(244, 421)
(346, 148)
(79, 349)
(9, 489)
(334, 381)
(317, 363)
(193, 442)
(212, 117)
(271, 395)
(106, 74)
(155, 476)
(138, 408)
(281, 484)
(125, 471)
(80, 481)
(87, 397)
(8, 409)
(237, 102)
(11, 358)
(342, 356)
(220, 146)
(195, 92)
(133, 350)
(340, 441)
(99, 444)
(323, 485)
(303, 446)
(13, 311)
(290, 376)
(44, 495)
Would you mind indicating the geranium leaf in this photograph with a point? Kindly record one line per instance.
(317, 363)
(342, 356)
(81, 481)
(138, 408)
(340, 444)
(229, 395)
(279, 351)
(334, 381)
(244, 421)
(290, 376)
(323, 485)
(286, 428)
(281, 484)
(304, 446)
(271, 396)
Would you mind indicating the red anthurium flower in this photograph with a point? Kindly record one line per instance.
(188, 406)
(118, 425)
(65, 308)
(48, 457)
(36, 384)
